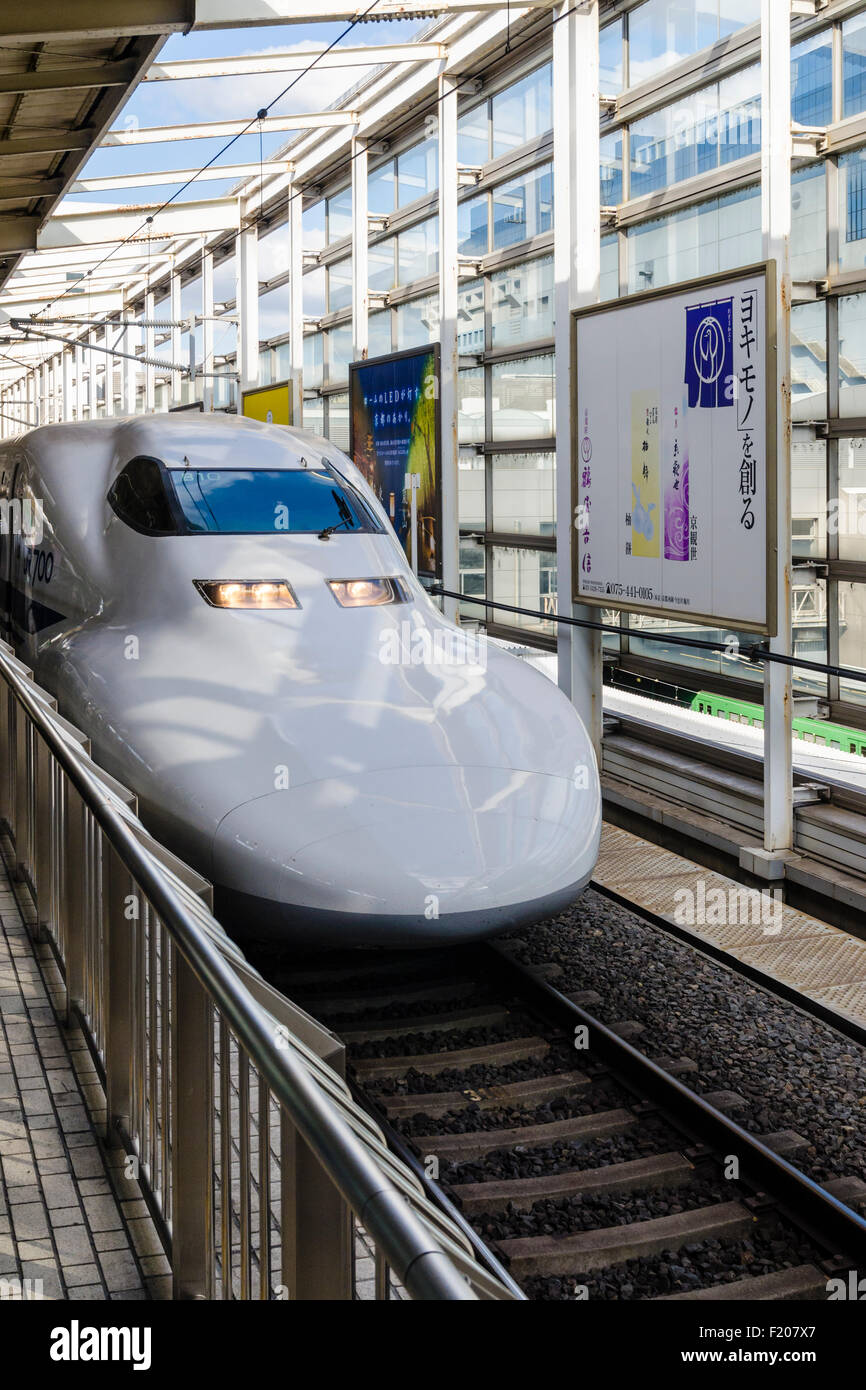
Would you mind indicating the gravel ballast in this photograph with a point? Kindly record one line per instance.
(793, 1071)
(703, 1265)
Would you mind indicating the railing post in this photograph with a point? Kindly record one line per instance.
(42, 818)
(117, 938)
(192, 1133)
(7, 758)
(73, 900)
(23, 793)
(316, 1225)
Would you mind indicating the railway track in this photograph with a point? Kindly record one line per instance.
(580, 1165)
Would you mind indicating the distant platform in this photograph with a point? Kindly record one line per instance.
(821, 962)
(846, 768)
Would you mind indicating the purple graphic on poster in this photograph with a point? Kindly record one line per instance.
(677, 492)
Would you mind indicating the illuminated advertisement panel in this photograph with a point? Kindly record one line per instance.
(394, 431)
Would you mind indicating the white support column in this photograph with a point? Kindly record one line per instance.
(26, 399)
(57, 389)
(66, 360)
(44, 394)
(149, 350)
(577, 265)
(79, 383)
(360, 242)
(776, 223)
(448, 277)
(128, 369)
(174, 315)
(247, 270)
(296, 303)
(92, 384)
(108, 339)
(207, 328)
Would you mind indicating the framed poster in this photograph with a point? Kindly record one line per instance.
(674, 451)
(394, 423)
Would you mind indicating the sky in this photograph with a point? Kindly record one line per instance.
(235, 98)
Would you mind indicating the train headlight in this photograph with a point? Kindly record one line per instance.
(367, 593)
(244, 593)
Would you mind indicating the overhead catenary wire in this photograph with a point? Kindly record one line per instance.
(265, 217)
(510, 48)
(142, 360)
(27, 424)
(227, 146)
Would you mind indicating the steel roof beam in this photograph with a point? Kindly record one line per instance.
(296, 61)
(113, 182)
(70, 228)
(50, 20)
(103, 302)
(59, 142)
(68, 79)
(80, 285)
(238, 14)
(207, 130)
(19, 190)
(18, 234)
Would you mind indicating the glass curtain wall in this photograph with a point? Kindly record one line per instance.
(680, 198)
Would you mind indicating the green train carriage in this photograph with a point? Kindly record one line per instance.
(819, 731)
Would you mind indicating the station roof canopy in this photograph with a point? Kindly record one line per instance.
(61, 86)
(87, 242)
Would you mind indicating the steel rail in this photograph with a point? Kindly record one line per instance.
(827, 1220)
(422, 1267)
(435, 1193)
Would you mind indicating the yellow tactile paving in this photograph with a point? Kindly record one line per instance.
(821, 961)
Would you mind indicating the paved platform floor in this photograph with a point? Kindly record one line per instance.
(822, 962)
(72, 1225)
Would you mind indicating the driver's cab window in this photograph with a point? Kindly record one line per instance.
(139, 497)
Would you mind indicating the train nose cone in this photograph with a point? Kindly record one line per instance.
(410, 854)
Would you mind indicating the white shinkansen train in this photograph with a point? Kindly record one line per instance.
(223, 607)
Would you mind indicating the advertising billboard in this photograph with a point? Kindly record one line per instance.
(270, 404)
(673, 452)
(394, 430)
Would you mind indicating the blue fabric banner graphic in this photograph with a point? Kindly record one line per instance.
(709, 376)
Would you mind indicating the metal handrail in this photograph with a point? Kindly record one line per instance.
(416, 1257)
(753, 652)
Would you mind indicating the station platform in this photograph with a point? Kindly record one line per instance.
(72, 1225)
(789, 947)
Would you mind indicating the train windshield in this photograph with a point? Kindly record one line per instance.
(259, 501)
